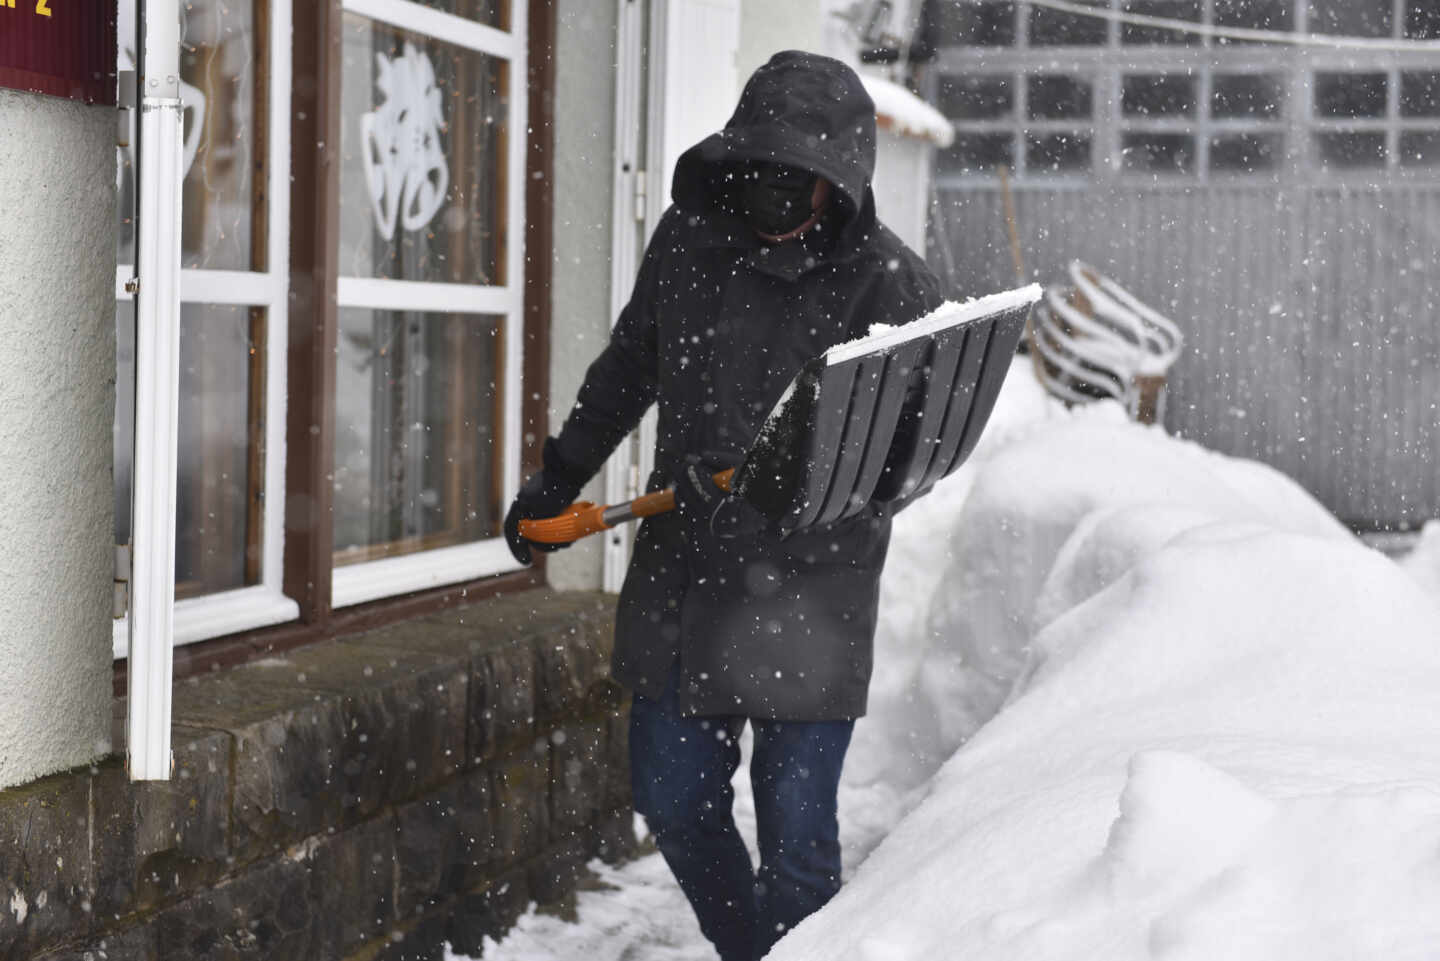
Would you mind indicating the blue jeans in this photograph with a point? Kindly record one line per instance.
(680, 768)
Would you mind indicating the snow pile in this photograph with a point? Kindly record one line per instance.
(899, 744)
(1219, 735)
(1423, 563)
(905, 113)
(1051, 507)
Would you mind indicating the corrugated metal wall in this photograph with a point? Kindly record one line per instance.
(1311, 316)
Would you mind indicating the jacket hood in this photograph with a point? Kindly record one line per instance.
(799, 109)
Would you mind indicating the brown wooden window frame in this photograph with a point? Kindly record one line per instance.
(313, 327)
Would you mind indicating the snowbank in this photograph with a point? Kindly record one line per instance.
(1220, 734)
(1423, 563)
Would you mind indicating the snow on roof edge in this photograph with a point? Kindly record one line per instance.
(907, 113)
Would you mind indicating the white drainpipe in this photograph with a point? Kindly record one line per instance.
(157, 387)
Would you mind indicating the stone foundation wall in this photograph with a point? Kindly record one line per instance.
(364, 798)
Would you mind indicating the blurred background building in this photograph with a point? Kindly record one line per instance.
(1276, 193)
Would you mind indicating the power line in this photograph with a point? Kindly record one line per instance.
(1327, 41)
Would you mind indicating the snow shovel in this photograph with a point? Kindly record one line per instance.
(823, 452)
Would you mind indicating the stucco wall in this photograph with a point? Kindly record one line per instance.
(902, 186)
(767, 27)
(57, 392)
(580, 304)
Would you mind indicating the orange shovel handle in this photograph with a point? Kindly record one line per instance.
(583, 518)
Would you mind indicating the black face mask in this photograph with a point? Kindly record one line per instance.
(774, 198)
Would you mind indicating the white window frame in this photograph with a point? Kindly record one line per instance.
(265, 603)
(372, 580)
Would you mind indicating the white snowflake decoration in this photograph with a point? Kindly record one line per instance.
(405, 167)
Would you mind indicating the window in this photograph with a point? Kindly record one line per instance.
(1059, 133)
(1278, 15)
(425, 241)
(1057, 28)
(1143, 35)
(1247, 117)
(1070, 95)
(1419, 107)
(230, 494)
(985, 104)
(1153, 147)
(1352, 18)
(1342, 102)
(1422, 20)
(1377, 119)
(984, 23)
(1246, 96)
(427, 396)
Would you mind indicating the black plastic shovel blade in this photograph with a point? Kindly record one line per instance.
(886, 416)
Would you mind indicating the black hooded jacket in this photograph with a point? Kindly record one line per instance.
(717, 325)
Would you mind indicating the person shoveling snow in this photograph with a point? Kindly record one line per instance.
(760, 607)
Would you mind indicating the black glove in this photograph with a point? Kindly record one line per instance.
(706, 506)
(545, 493)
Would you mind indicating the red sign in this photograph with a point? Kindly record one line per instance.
(65, 48)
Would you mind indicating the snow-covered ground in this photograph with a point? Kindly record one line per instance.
(1132, 699)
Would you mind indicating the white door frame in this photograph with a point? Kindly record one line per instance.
(691, 65)
(628, 231)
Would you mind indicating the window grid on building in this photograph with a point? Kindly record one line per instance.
(234, 573)
(412, 528)
(1056, 97)
(236, 73)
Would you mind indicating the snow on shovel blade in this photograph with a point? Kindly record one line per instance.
(913, 399)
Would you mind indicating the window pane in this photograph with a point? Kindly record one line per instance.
(221, 48)
(1054, 28)
(1058, 97)
(1057, 153)
(1351, 149)
(222, 51)
(1276, 15)
(977, 153)
(1246, 95)
(986, 23)
(1355, 18)
(417, 432)
(1420, 148)
(1350, 94)
(1246, 153)
(218, 523)
(1158, 96)
(217, 513)
(492, 13)
(423, 142)
(1422, 20)
(1136, 34)
(1161, 153)
(976, 98)
(1420, 94)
